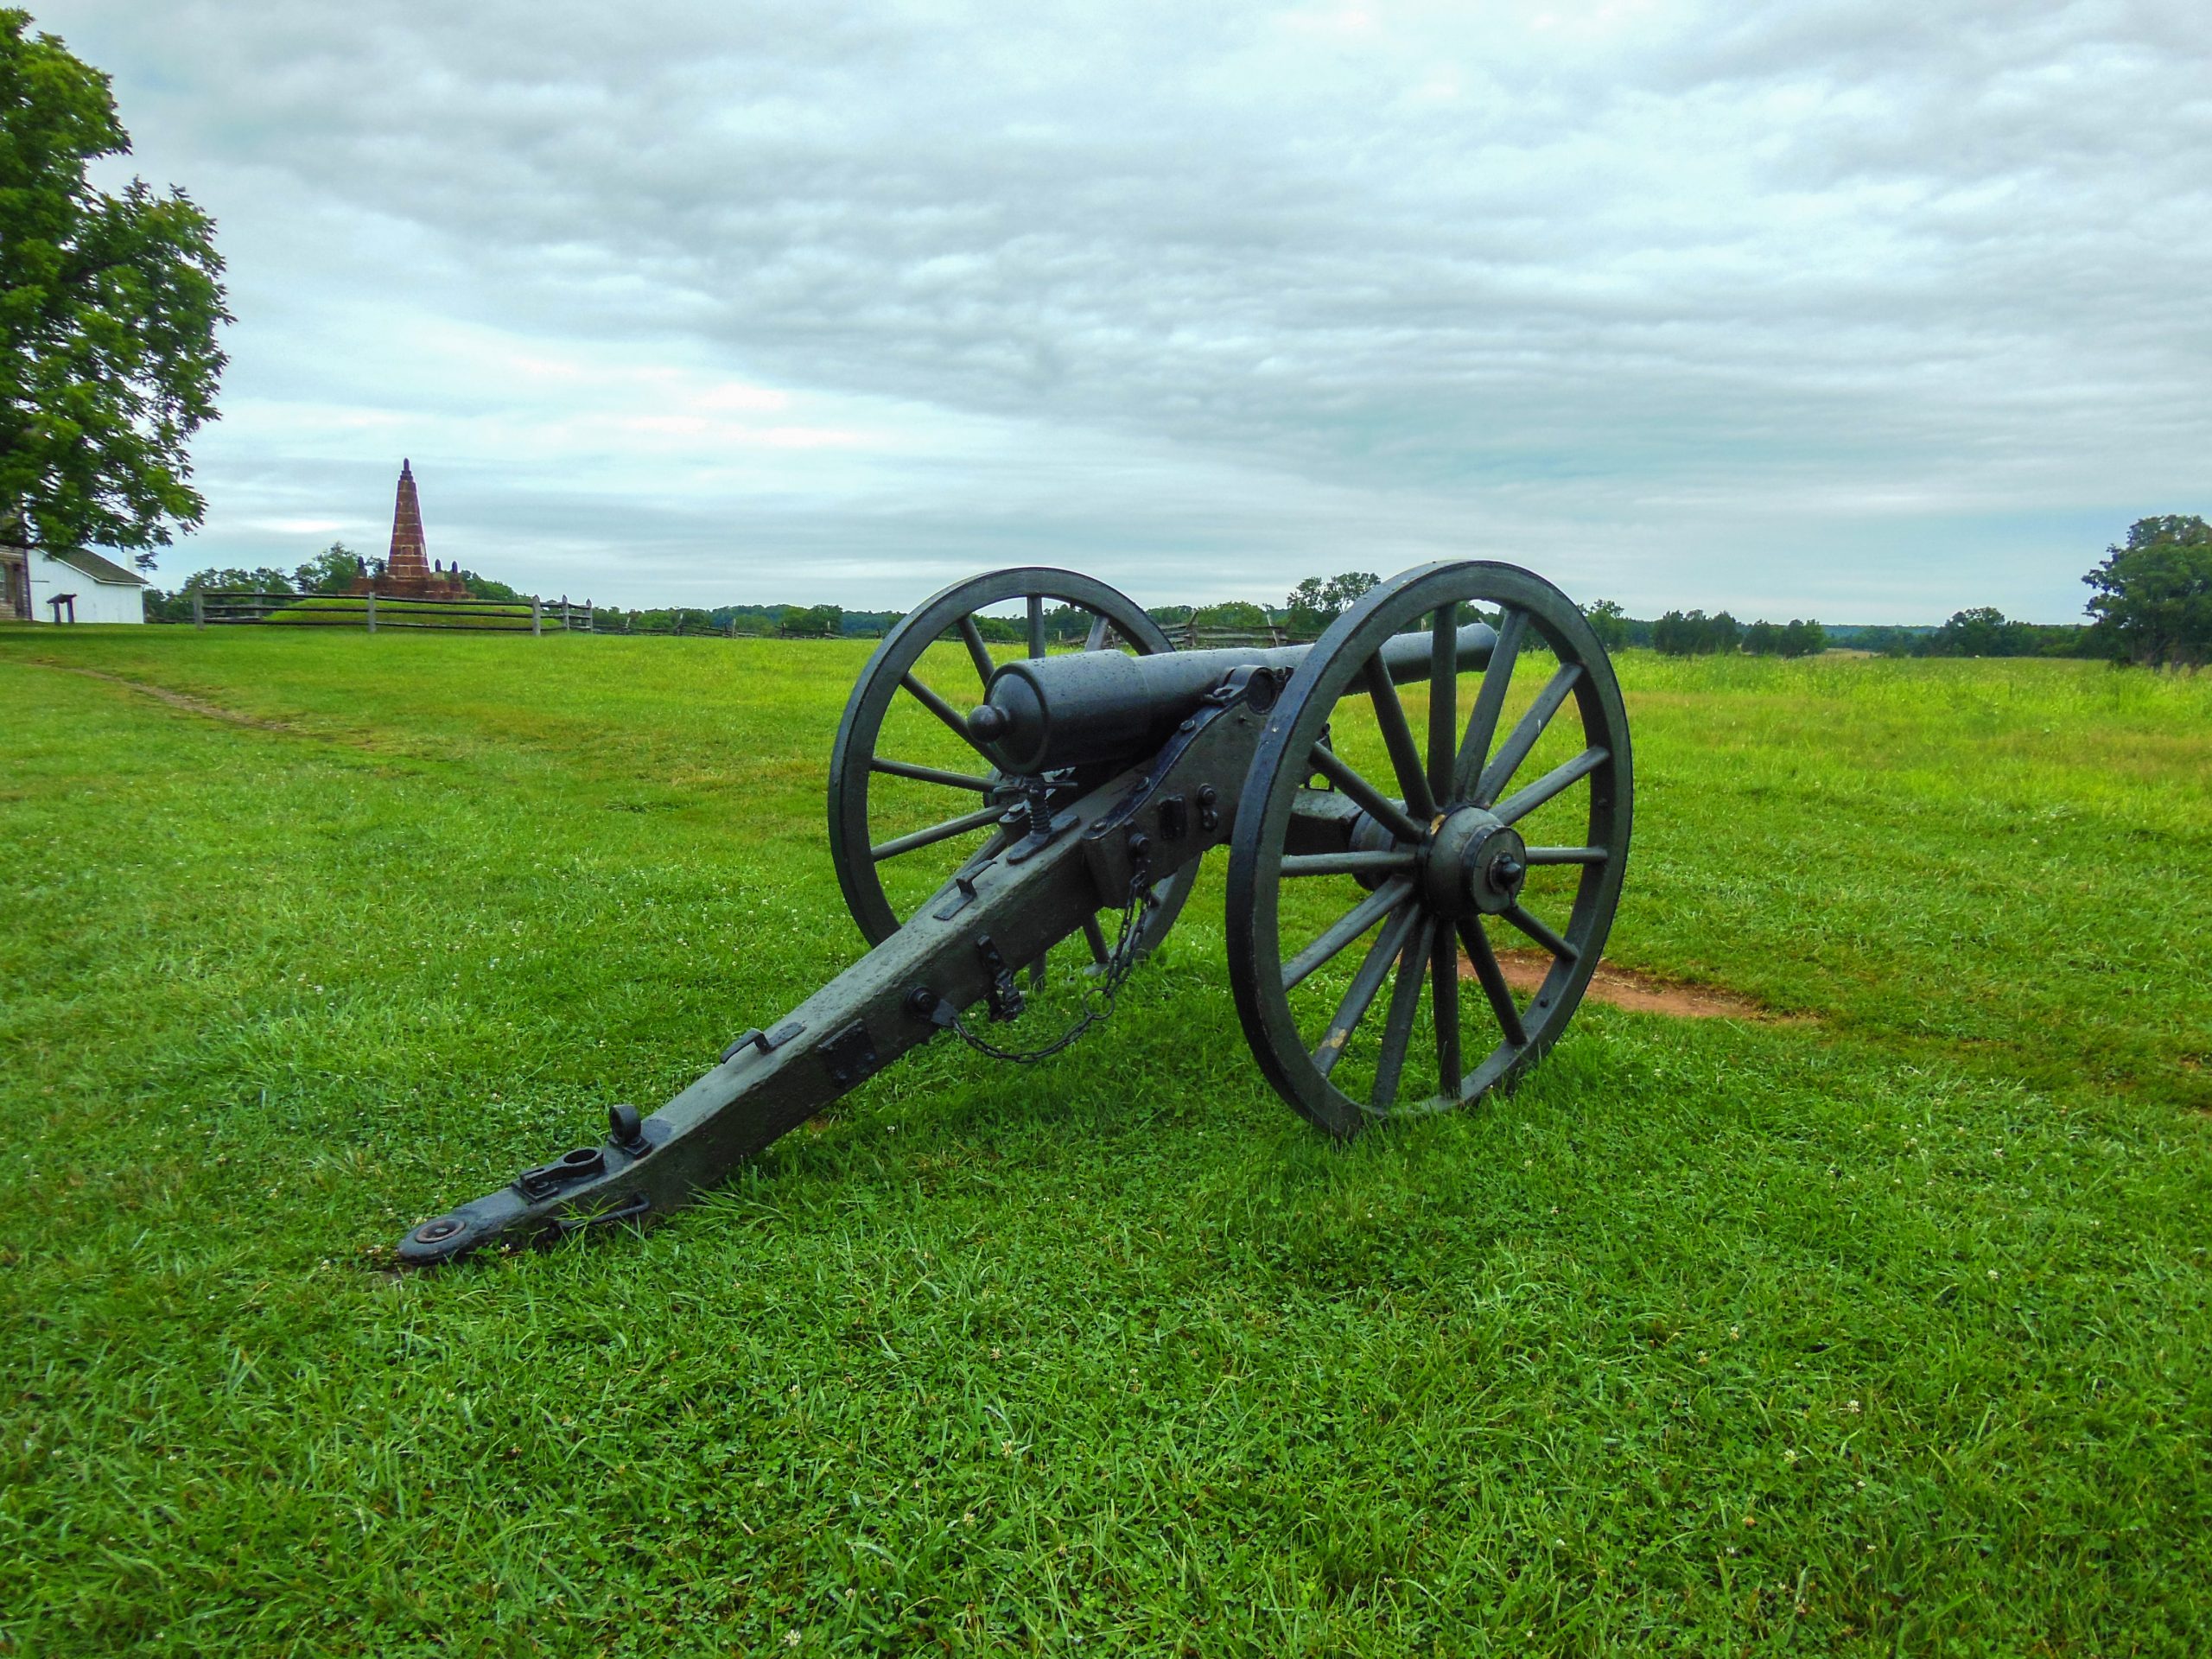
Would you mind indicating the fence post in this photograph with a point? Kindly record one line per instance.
(369, 610)
(536, 616)
(199, 612)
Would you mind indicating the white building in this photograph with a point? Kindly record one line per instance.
(70, 586)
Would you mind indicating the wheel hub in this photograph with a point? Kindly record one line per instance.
(1475, 866)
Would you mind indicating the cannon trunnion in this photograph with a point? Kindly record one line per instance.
(1374, 851)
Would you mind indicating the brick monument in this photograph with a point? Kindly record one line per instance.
(407, 572)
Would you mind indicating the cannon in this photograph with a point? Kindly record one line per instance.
(1380, 846)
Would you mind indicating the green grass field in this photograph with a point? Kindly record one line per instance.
(1881, 1330)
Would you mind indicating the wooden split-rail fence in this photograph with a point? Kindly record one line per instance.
(228, 608)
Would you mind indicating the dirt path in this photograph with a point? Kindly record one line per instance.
(190, 705)
(1624, 987)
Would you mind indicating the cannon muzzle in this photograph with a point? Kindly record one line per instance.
(1098, 708)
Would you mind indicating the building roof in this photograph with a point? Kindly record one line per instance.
(99, 569)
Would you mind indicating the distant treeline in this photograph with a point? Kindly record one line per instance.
(1983, 632)
(2152, 605)
(1693, 634)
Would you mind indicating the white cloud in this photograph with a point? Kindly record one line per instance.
(1867, 311)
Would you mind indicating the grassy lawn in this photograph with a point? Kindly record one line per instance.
(1882, 1330)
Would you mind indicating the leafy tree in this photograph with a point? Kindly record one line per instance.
(109, 307)
(1762, 638)
(177, 607)
(484, 588)
(1885, 640)
(1609, 622)
(1981, 631)
(1677, 634)
(1806, 639)
(2153, 598)
(1231, 614)
(1314, 603)
(1696, 634)
(1986, 630)
(333, 571)
(231, 579)
(1067, 625)
(814, 622)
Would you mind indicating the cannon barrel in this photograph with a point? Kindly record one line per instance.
(1106, 707)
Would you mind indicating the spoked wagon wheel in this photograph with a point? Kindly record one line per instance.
(912, 794)
(1432, 851)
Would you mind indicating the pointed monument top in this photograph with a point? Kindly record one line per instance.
(407, 561)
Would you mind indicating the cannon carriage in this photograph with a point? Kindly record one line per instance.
(1447, 769)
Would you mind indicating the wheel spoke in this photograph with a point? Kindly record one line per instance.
(1346, 928)
(930, 774)
(1443, 699)
(1493, 980)
(1541, 933)
(936, 832)
(1398, 1024)
(1347, 863)
(1522, 801)
(1365, 984)
(937, 706)
(1036, 625)
(1565, 855)
(978, 652)
(1444, 996)
(1515, 747)
(1379, 806)
(1398, 738)
(1489, 700)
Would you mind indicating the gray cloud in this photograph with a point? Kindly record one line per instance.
(1869, 311)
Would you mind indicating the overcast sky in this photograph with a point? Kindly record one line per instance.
(1867, 312)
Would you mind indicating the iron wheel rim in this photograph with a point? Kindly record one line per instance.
(1299, 1069)
(854, 758)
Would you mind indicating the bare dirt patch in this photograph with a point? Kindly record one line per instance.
(1624, 987)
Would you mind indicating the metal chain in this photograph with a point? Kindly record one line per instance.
(1136, 912)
